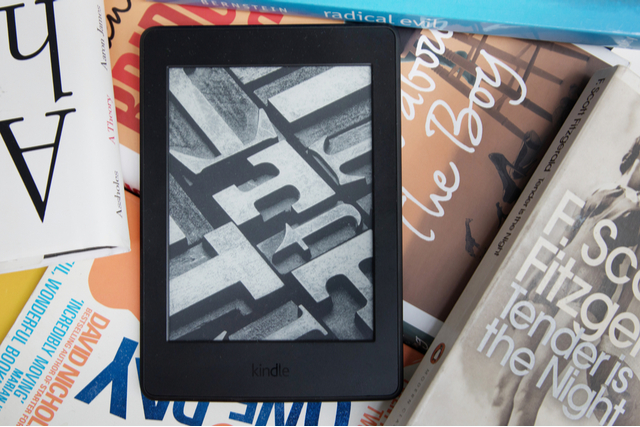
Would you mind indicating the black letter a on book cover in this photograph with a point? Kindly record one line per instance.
(17, 154)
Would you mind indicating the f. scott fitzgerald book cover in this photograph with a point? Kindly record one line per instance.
(548, 329)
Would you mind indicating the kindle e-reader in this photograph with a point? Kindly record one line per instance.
(270, 197)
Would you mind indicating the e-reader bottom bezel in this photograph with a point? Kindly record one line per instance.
(289, 370)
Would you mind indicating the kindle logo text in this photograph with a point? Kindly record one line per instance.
(39, 194)
(269, 371)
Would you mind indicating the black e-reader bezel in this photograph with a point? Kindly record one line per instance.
(289, 370)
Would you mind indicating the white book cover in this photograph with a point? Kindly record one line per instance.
(61, 184)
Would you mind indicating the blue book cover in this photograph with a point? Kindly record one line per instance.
(597, 22)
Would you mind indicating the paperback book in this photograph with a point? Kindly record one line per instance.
(547, 330)
(478, 114)
(72, 357)
(61, 181)
(597, 22)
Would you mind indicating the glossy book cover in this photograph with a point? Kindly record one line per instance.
(478, 113)
(546, 332)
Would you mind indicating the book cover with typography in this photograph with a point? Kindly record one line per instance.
(61, 180)
(478, 113)
(547, 330)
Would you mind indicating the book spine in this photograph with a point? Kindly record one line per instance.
(104, 146)
(408, 409)
(599, 23)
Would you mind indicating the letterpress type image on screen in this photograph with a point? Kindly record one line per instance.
(270, 203)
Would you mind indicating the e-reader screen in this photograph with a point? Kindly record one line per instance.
(270, 203)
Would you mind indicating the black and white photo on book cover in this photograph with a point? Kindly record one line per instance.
(60, 175)
(265, 208)
(556, 335)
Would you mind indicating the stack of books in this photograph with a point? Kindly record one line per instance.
(481, 115)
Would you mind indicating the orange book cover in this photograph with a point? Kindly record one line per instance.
(478, 112)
